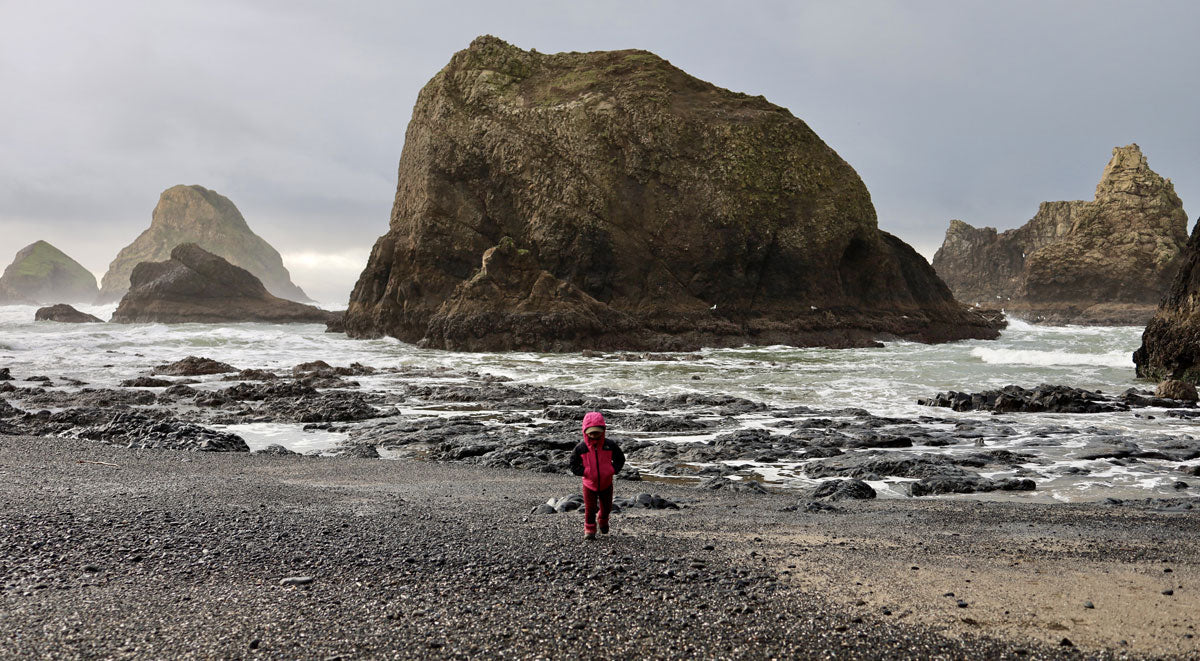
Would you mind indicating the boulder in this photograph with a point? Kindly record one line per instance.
(194, 214)
(195, 285)
(843, 490)
(194, 366)
(610, 201)
(41, 273)
(1107, 261)
(1171, 342)
(65, 313)
(1176, 389)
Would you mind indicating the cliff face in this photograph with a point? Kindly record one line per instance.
(609, 200)
(194, 214)
(1105, 261)
(1171, 342)
(195, 285)
(41, 273)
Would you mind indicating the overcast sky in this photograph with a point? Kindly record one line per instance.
(296, 110)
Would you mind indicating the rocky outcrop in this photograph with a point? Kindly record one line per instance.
(1171, 342)
(608, 200)
(195, 285)
(66, 314)
(41, 273)
(194, 214)
(1107, 261)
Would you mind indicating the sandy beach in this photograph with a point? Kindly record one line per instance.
(116, 553)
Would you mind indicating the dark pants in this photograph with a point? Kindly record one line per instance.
(590, 499)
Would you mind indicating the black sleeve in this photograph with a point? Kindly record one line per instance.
(618, 458)
(577, 459)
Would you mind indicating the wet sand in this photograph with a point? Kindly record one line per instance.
(115, 553)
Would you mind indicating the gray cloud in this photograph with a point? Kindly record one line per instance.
(297, 110)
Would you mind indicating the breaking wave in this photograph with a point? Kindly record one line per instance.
(1035, 357)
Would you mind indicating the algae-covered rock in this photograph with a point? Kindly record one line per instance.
(1107, 261)
(194, 214)
(608, 200)
(41, 273)
(195, 285)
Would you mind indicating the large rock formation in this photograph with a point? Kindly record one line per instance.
(195, 285)
(1107, 261)
(609, 200)
(41, 273)
(194, 214)
(1171, 342)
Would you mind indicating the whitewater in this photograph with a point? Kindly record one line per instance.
(885, 381)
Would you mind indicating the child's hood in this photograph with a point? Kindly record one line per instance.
(592, 419)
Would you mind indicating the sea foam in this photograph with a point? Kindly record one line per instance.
(1035, 357)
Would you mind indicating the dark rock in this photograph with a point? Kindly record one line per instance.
(648, 501)
(4, 374)
(194, 214)
(1171, 342)
(359, 452)
(336, 322)
(66, 314)
(8, 410)
(276, 450)
(1015, 399)
(195, 285)
(194, 366)
(602, 268)
(933, 486)
(851, 489)
(142, 431)
(178, 391)
(726, 484)
(875, 466)
(146, 382)
(1108, 261)
(251, 375)
(321, 368)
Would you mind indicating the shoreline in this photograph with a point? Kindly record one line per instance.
(177, 554)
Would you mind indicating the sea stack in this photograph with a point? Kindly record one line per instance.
(1108, 261)
(195, 285)
(194, 214)
(1171, 342)
(608, 200)
(41, 273)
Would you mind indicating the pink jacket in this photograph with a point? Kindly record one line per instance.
(596, 461)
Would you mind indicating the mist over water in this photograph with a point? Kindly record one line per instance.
(885, 381)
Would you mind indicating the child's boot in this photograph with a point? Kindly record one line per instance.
(589, 536)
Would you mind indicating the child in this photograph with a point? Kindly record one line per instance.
(597, 460)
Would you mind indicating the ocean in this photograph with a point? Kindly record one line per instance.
(885, 381)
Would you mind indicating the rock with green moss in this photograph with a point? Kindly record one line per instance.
(41, 273)
(609, 200)
(194, 214)
(1107, 261)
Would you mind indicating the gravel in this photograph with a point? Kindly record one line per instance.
(150, 554)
